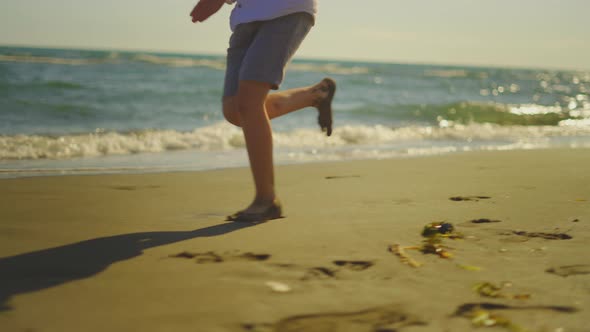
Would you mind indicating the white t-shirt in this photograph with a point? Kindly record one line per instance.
(261, 10)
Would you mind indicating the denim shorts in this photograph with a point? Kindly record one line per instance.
(259, 51)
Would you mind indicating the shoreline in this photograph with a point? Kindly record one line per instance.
(152, 252)
(126, 165)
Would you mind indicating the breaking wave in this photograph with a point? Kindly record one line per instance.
(474, 112)
(224, 137)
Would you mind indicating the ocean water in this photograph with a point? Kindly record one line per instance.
(66, 111)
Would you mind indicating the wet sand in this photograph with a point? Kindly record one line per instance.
(152, 252)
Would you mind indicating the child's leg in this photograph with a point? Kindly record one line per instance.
(284, 102)
(252, 108)
(258, 135)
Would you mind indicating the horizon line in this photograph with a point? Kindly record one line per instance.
(301, 57)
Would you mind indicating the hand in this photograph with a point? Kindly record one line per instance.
(206, 8)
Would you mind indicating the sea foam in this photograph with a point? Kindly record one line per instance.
(225, 137)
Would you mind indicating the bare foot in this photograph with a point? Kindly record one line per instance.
(327, 88)
(258, 211)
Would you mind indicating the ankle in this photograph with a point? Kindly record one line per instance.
(265, 200)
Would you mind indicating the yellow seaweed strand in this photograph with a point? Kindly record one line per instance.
(404, 257)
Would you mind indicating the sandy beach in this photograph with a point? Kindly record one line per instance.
(152, 252)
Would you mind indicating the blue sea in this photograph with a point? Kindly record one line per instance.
(67, 111)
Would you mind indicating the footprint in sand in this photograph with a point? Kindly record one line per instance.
(546, 236)
(323, 273)
(483, 314)
(336, 177)
(383, 319)
(467, 308)
(130, 188)
(212, 257)
(522, 236)
(569, 270)
(354, 265)
(468, 198)
(319, 273)
(484, 221)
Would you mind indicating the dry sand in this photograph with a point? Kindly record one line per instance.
(96, 253)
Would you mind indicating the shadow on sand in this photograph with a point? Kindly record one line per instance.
(55, 266)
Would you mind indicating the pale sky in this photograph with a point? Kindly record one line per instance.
(522, 33)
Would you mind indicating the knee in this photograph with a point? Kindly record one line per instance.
(231, 116)
(274, 105)
(230, 111)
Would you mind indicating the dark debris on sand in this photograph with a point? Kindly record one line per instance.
(468, 198)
